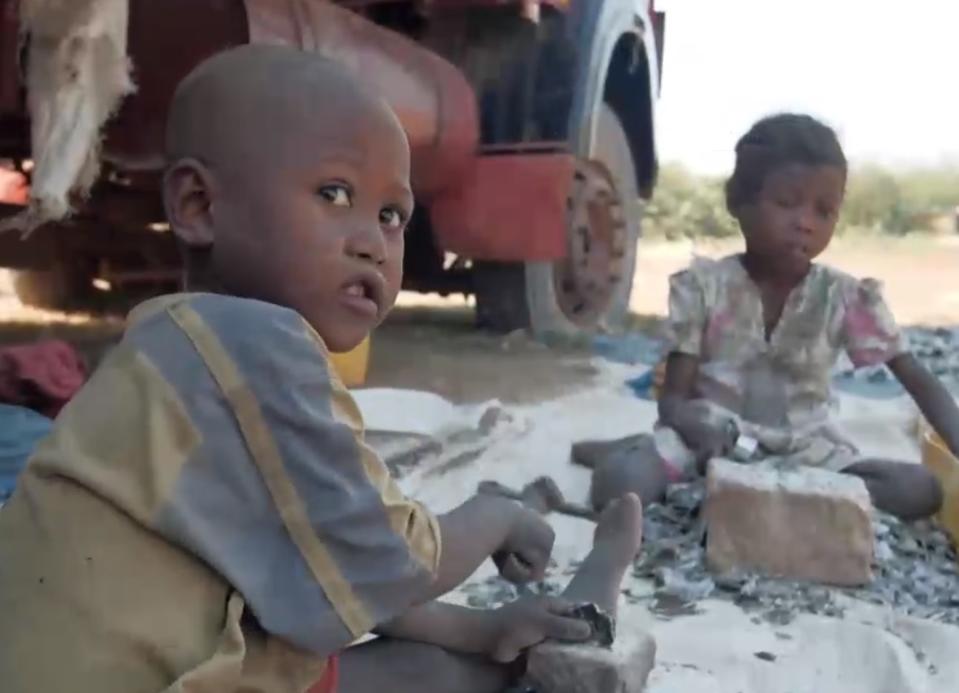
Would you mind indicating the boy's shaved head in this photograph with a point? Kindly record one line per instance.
(290, 182)
(224, 107)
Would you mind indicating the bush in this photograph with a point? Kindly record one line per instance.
(688, 206)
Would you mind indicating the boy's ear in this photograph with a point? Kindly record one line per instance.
(188, 202)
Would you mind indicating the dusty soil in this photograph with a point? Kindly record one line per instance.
(920, 274)
(430, 343)
(437, 348)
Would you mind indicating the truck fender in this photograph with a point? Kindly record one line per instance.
(617, 62)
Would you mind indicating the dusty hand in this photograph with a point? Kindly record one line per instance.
(528, 622)
(524, 556)
(708, 439)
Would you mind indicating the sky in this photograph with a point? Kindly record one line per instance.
(884, 73)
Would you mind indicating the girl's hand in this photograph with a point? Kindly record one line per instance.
(706, 436)
(529, 621)
(708, 439)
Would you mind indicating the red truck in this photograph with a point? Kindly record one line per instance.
(531, 124)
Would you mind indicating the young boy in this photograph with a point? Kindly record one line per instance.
(205, 515)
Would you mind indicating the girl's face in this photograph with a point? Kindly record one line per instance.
(793, 218)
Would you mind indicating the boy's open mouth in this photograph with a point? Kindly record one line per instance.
(363, 293)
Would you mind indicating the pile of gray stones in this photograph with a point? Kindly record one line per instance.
(915, 571)
(916, 568)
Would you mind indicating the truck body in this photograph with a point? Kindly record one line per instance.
(531, 125)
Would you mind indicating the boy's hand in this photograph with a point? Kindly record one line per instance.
(528, 622)
(524, 556)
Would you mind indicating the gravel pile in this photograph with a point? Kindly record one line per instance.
(916, 569)
(916, 572)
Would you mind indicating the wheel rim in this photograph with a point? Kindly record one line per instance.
(586, 280)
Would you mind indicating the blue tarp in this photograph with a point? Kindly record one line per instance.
(20, 431)
(632, 348)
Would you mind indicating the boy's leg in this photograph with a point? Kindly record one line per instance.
(407, 667)
(908, 491)
(616, 541)
(403, 666)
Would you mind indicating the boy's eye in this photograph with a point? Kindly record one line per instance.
(337, 195)
(392, 218)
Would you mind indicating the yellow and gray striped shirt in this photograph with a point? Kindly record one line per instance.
(205, 516)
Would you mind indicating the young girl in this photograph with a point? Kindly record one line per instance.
(755, 337)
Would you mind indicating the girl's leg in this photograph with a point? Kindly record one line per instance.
(400, 666)
(591, 453)
(908, 491)
(635, 467)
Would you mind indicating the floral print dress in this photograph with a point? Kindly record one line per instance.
(776, 386)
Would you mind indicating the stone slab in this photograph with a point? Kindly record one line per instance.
(802, 524)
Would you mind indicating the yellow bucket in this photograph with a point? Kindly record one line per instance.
(942, 463)
(351, 366)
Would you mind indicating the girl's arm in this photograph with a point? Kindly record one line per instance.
(932, 398)
(704, 439)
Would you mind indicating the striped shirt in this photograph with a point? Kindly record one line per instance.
(204, 516)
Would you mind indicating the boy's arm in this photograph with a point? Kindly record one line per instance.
(933, 400)
(454, 628)
(482, 526)
(500, 633)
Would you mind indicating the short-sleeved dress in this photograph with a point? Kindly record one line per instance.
(776, 389)
(204, 517)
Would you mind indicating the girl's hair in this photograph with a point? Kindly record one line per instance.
(776, 141)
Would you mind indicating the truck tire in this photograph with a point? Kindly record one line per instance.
(589, 290)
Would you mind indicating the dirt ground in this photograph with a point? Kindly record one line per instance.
(920, 274)
(430, 343)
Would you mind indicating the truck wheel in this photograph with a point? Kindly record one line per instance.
(589, 289)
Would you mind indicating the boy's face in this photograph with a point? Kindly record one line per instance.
(318, 225)
(792, 220)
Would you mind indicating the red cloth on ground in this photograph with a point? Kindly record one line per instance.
(43, 376)
(331, 677)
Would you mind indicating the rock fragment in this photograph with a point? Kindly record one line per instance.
(561, 668)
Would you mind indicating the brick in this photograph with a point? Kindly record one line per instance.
(803, 524)
(562, 668)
